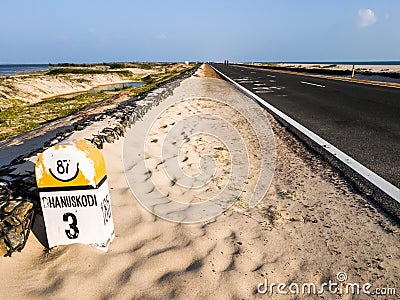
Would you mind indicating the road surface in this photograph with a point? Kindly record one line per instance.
(362, 120)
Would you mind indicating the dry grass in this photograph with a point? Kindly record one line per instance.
(18, 116)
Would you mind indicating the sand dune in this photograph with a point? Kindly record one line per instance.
(32, 89)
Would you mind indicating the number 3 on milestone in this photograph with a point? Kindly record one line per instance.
(73, 231)
(74, 195)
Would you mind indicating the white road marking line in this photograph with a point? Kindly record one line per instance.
(261, 88)
(314, 84)
(263, 92)
(271, 76)
(385, 186)
(247, 81)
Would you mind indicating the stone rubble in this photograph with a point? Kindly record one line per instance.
(19, 196)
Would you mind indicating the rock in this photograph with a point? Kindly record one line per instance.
(118, 131)
(109, 138)
(3, 204)
(3, 247)
(98, 118)
(110, 134)
(10, 206)
(52, 142)
(19, 160)
(4, 191)
(23, 210)
(15, 223)
(15, 239)
(97, 141)
(10, 221)
(79, 127)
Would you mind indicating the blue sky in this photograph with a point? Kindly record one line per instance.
(44, 31)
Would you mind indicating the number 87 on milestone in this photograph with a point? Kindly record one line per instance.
(74, 195)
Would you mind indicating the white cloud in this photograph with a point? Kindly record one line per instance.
(161, 36)
(366, 17)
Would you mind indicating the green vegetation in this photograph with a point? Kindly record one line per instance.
(22, 117)
(65, 71)
(115, 65)
(270, 64)
(139, 65)
(17, 116)
(72, 65)
(9, 103)
(323, 66)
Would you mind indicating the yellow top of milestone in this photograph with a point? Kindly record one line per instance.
(74, 164)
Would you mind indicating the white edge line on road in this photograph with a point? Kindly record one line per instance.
(369, 175)
(331, 77)
(314, 84)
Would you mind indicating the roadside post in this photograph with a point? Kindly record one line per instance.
(352, 72)
(74, 195)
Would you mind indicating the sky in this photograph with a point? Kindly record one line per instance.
(48, 31)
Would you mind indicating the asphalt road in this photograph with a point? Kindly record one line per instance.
(361, 120)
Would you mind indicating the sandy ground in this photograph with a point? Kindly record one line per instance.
(207, 71)
(371, 68)
(308, 227)
(34, 88)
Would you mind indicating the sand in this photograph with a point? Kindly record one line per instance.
(33, 88)
(308, 227)
(358, 67)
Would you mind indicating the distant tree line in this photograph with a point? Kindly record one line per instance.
(115, 65)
